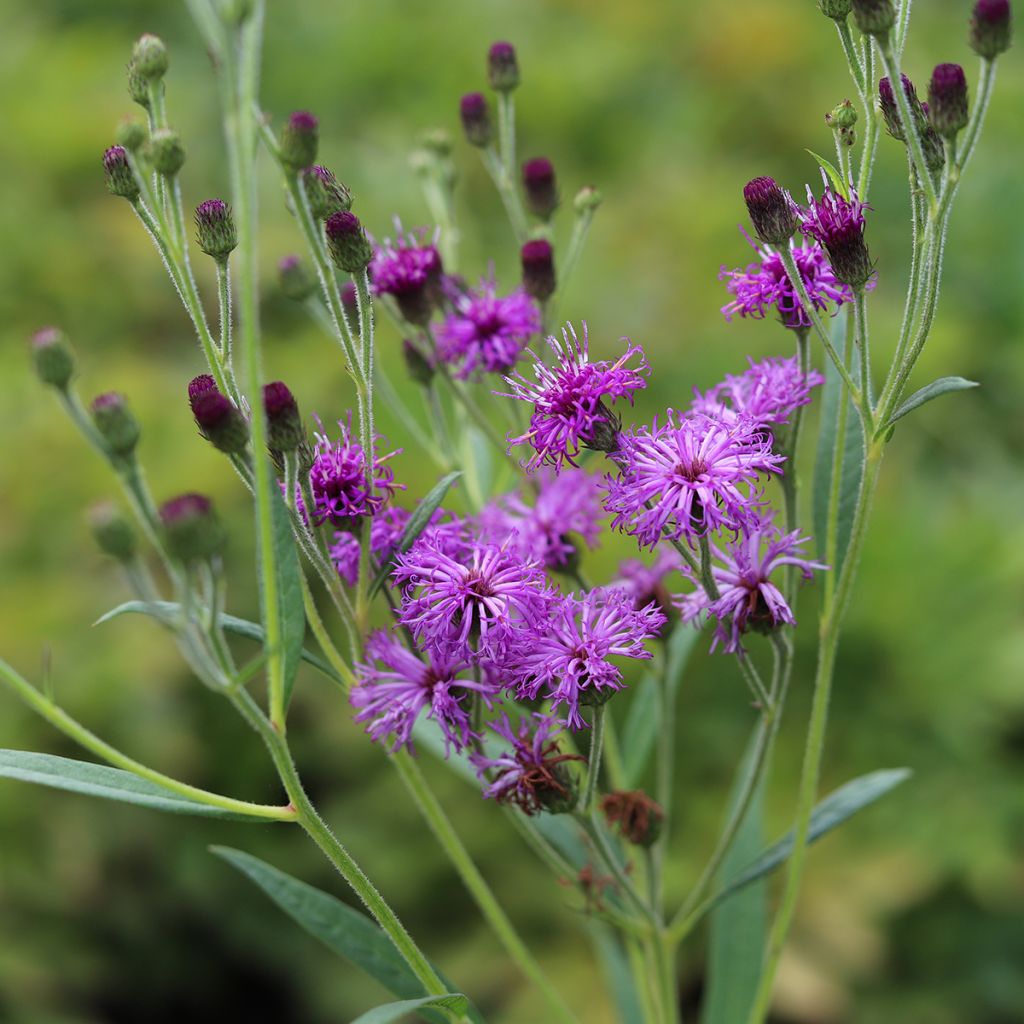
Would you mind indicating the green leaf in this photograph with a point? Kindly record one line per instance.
(167, 612)
(642, 719)
(926, 394)
(617, 974)
(343, 929)
(396, 1011)
(739, 924)
(417, 523)
(834, 176)
(845, 802)
(105, 782)
(291, 609)
(851, 449)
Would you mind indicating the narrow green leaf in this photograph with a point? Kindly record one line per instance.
(926, 394)
(739, 924)
(104, 782)
(417, 523)
(391, 1012)
(851, 447)
(617, 974)
(833, 175)
(167, 613)
(845, 802)
(289, 592)
(343, 929)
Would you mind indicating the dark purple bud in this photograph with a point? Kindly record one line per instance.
(115, 423)
(890, 110)
(874, 17)
(192, 532)
(947, 99)
(347, 242)
(215, 229)
(197, 385)
(284, 424)
(220, 422)
(118, 172)
(991, 28)
(502, 67)
(539, 185)
(52, 357)
(476, 119)
(299, 140)
(771, 210)
(113, 533)
(538, 259)
(296, 281)
(325, 194)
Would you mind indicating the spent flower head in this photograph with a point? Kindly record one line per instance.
(837, 222)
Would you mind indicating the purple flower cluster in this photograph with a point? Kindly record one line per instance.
(405, 265)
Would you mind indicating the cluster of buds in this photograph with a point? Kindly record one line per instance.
(842, 119)
(146, 69)
(931, 143)
(217, 417)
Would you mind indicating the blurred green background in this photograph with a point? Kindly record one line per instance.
(913, 913)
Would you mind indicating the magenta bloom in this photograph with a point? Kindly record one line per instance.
(765, 286)
(470, 605)
(568, 399)
(340, 480)
(486, 333)
(531, 773)
(838, 224)
(747, 597)
(565, 657)
(565, 503)
(405, 264)
(688, 478)
(769, 392)
(646, 583)
(394, 688)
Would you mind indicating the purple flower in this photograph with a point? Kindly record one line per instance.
(765, 286)
(747, 597)
(769, 392)
(568, 399)
(395, 686)
(837, 222)
(646, 583)
(688, 478)
(485, 332)
(409, 270)
(565, 503)
(340, 480)
(471, 603)
(565, 657)
(531, 773)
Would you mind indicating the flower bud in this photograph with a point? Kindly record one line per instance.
(538, 259)
(113, 533)
(326, 195)
(837, 10)
(419, 366)
(116, 423)
(874, 17)
(502, 67)
(539, 186)
(841, 119)
(131, 135)
(165, 152)
(299, 140)
(296, 281)
(149, 58)
(215, 229)
(138, 88)
(197, 385)
(476, 119)
(947, 99)
(192, 531)
(347, 242)
(119, 175)
(52, 357)
(637, 818)
(284, 424)
(771, 210)
(890, 110)
(219, 421)
(991, 28)
(437, 141)
(588, 198)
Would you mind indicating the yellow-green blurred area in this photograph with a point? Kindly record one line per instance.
(911, 913)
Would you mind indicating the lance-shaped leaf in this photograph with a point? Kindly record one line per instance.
(391, 1012)
(926, 394)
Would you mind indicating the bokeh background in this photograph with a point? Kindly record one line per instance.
(912, 913)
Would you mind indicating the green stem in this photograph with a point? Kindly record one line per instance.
(224, 303)
(588, 797)
(857, 70)
(507, 191)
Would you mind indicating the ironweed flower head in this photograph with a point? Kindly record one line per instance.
(772, 210)
(565, 656)
(119, 175)
(341, 483)
(215, 229)
(531, 773)
(300, 138)
(116, 423)
(284, 424)
(766, 394)
(688, 477)
(947, 99)
(410, 270)
(197, 385)
(874, 17)
(347, 243)
(192, 531)
(645, 583)
(325, 194)
(297, 283)
(540, 187)
(219, 420)
(765, 286)
(52, 357)
(502, 67)
(394, 687)
(569, 411)
(748, 599)
(112, 532)
(991, 28)
(538, 261)
(837, 222)
(486, 332)
(476, 119)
